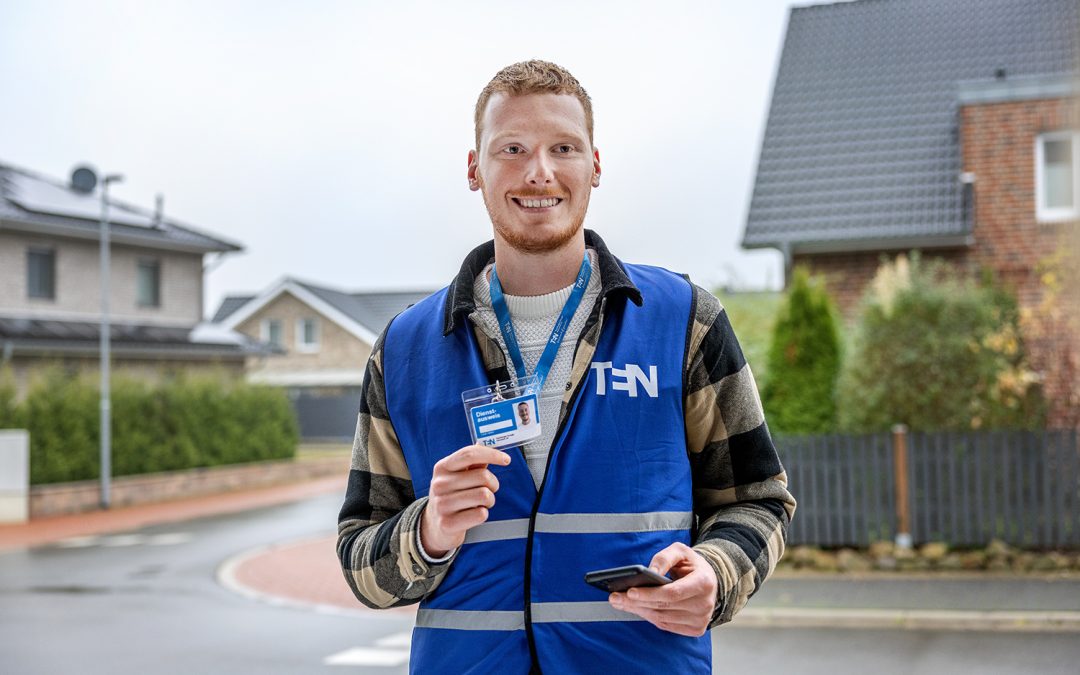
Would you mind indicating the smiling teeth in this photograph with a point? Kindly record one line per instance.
(539, 203)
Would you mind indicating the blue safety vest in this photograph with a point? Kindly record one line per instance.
(617, 490)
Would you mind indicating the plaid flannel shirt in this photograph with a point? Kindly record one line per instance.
(741, 502)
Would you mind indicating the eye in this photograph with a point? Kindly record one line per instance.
(513, 149)
(564, 148)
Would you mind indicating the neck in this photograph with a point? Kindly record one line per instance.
(522, 273)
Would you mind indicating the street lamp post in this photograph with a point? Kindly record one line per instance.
(106, 413)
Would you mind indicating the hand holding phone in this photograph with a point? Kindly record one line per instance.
(618, 579)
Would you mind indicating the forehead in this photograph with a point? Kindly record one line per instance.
(545, 113)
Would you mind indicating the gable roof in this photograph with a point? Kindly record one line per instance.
(40, 204)
(861, 147)
(364, 314)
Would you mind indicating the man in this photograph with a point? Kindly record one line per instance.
(652, 437)
(523, 413)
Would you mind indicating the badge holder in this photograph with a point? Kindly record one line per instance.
(502, 415)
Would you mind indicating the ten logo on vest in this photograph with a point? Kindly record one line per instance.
(625, 379)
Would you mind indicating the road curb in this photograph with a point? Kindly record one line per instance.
(909, 619)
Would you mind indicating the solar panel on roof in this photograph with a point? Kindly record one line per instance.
(43, 197)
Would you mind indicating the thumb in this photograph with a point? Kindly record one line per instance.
(665, 559)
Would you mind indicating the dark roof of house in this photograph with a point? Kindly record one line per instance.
(40, 204)
(371, 309)
(62, 336)
(861, 144)
(229, 305)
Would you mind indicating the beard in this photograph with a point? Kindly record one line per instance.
(533, 240)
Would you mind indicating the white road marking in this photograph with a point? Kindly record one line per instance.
(403, 639)
(78, 542)
(368, 656)
(169, 539)
(123, 540)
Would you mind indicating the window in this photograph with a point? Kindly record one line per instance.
(1057, 177)
(148, 283)
(41, 273)
(271, 331)
(307, 335)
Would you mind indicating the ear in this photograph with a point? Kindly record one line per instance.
(596, 167)
(474, 166)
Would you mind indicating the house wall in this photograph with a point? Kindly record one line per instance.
(26, 370)
(78, 282)
(338, 348)
(998, 141)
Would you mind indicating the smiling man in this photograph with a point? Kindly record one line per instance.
(652, 448)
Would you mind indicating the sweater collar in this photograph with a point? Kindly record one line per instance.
(460, 302)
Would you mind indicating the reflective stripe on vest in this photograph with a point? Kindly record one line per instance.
(571, 523)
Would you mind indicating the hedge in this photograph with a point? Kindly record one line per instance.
(181, 423)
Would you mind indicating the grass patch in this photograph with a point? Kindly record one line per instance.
(752, 315)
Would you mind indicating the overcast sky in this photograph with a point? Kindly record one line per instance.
(330, 138)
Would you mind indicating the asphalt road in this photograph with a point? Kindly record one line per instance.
(148, 602)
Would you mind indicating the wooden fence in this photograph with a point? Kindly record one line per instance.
(961, 488)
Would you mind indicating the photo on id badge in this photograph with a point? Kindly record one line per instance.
(502, 415)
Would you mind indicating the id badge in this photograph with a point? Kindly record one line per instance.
(503, 415)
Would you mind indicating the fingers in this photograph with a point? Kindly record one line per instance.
(471, 456)
(446, 483)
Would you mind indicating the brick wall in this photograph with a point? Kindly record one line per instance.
(998, 141)
(78, 283)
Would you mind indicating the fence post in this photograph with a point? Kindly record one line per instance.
(900, 482)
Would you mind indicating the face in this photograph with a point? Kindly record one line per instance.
(523, 412)
(535, 168)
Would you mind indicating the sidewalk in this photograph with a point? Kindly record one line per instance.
(43, 531)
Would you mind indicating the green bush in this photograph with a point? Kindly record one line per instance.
(7, 399)
(937, 352)
(803, 361)
(179, 424)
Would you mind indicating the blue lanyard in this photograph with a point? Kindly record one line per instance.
(506, 325)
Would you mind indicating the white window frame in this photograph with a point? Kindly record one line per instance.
(264, 332)
(307, 347)
(155, 264)
(1056, 215)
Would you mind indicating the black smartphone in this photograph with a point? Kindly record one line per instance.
(619, 579)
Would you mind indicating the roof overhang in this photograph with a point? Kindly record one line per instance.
(1025, 88)
(863, 245)
(85, 232)
(305, 296)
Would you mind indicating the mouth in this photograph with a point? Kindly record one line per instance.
(537, 202)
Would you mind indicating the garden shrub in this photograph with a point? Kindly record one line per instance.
(803, 361)
(937, 352)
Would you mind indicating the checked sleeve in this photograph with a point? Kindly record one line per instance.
(378, 543)
(741, 499)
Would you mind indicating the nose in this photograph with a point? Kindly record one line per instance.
(540, 169)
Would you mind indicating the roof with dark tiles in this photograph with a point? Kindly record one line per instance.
(861, 146)
(372, 310)
(36, 203)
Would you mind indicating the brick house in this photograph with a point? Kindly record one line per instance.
(947, 126)
(50, 298)
(324, 337)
